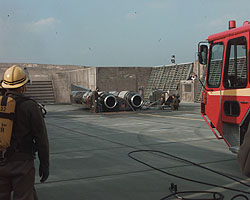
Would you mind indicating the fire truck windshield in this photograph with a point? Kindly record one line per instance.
(215, 65)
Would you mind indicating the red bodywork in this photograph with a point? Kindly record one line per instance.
(213, 98)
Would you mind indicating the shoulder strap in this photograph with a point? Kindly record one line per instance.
(4, 101)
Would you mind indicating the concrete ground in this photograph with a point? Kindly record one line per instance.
(89, 155)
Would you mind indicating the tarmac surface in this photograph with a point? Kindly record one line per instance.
(89, 155)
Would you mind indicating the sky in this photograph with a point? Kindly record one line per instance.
(111, 32)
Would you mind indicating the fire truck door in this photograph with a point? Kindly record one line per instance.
(234, 84)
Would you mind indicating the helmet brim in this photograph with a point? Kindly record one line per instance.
(7, 86)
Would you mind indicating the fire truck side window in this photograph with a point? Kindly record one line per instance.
(235, 75)
(215, 65)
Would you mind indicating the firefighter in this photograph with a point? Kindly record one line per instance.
(162, 99)
(169, 100)
(17, 172)
(95, 100)
(175, 103)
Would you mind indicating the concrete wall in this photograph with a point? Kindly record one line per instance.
(61, 76)
(122, 78)
(62, 82)
(106, 78)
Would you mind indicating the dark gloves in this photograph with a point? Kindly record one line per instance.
(43, 172)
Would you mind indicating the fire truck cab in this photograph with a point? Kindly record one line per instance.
(225, 100)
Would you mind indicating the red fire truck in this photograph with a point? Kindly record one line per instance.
(225, 100)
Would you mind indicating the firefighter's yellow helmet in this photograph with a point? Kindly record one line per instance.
(14, 77)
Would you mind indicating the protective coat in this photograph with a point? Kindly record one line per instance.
(18, 173)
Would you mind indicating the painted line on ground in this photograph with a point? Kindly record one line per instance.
(173, 117)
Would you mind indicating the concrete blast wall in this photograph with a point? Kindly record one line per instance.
(106, 78)
(62, 76)
(62, 82)
(122, 78)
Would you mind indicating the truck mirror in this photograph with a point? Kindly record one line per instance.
(202, 54)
